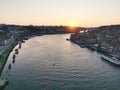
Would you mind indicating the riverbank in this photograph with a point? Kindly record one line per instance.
(94, 47)
(5, 53)
(104, 47)
(7, 49)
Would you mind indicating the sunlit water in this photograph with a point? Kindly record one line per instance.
(50, 62)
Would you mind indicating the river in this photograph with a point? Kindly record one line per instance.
(50, 62)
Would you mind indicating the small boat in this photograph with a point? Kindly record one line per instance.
(111, 59)
(16, 52)
(67, 39)
(3, 83)
(23, 41)
(13, 61)
(19, 45)
(9, 66)
(16, 49)
(14, 56)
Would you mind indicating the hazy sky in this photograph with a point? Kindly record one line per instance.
(60, 12)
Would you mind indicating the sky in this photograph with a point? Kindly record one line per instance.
(85, 13)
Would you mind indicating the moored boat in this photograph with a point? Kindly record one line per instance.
(14, 56)
(111, 59)
(9, 66)
(16, 50)
(23, 41)
(19, 45)
(67, 39)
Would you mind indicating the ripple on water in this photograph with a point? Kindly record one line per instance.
(52, 63)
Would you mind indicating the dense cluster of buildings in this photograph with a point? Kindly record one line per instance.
(9, 34)
(104, 38)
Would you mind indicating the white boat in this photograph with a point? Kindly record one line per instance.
(111, 59)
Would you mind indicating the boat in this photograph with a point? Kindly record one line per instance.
(67, 39)
(16, 50)
(111, 59)
(14, 56)
(3, 83)
(9, 66)
(19, 46)
(13, 61)
(23, 41)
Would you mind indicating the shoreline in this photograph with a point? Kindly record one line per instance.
(5, 54)
(98, 48)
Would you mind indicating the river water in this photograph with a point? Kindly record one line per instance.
(50, 62)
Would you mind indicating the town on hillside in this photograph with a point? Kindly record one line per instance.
(11, 33)
(105, 39)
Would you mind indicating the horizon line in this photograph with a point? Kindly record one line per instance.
(56, 25)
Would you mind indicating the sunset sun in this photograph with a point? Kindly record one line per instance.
(72, 24)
